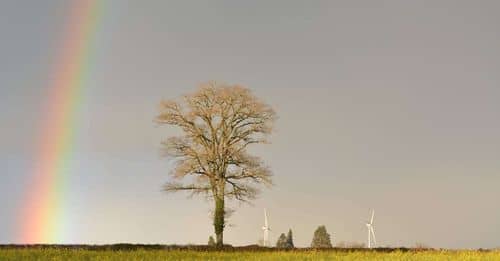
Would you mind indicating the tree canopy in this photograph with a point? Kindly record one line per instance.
(321, 238)
(281, 243)
(285, 241)
(289, 239)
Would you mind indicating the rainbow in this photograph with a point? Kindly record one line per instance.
(42, 216)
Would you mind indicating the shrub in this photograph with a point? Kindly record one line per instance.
(211, 241)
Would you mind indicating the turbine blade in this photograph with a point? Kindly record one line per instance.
(373, 213)
(373, 234)
(265, 218)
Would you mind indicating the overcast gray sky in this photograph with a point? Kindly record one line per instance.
(390, 105)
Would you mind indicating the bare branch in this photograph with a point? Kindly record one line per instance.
(219, 123)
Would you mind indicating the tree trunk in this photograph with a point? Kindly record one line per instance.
(219, 221)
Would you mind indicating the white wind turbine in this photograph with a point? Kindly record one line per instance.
(371, 233)
(266, 230)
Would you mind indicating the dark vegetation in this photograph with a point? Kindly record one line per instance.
(285, 241)
(211, 241)
(225, 248)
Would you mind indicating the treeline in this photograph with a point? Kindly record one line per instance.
(228, 248)
(321, 239)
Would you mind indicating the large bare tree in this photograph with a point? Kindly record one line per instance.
(219, 122)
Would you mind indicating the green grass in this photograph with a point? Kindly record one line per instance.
(67, 254)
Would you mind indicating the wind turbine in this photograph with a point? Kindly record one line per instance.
(266, 229)
(371, 233)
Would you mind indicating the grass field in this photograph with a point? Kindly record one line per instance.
(142, 254)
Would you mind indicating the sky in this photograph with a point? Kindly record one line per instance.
(385, 105)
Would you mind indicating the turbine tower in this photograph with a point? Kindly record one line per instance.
(371, 233)
(266, 230)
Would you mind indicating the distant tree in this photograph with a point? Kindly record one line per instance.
(211, 241)
(321, 238)
(218, 122)
(281, 243)
(289, 239)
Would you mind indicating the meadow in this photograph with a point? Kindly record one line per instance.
(157, 254)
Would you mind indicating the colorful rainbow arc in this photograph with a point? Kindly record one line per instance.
(43, 215)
